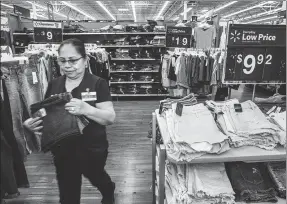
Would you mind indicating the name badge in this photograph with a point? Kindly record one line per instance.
(89, 96)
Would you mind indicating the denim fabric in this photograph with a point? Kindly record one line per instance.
(58, 124)
(188, 137)
(202, 183)
(277, 172)
(279, 119)
(166, 63)
(181, 72)
(19, 82)
(251, 182)
(209, 183)
(249, 127)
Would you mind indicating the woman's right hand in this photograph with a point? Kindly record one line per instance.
(33, 124)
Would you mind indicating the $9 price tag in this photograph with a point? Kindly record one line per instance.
(251, 61)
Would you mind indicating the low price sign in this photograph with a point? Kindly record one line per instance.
(256, 54)
(48, 31)
(178, 37)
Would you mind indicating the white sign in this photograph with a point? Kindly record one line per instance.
(47, 24)
(6, 53)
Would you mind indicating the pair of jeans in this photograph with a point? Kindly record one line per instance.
(277, 172)
(209, 183)
(251, 182)
(58, 123)
(22, 91)
(72, 161)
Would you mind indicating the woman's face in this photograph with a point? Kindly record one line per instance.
(72, 63)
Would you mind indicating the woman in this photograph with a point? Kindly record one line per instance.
(86, 154)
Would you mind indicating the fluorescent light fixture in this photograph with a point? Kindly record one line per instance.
(134, 10)
(262, 19)
(219, 8)
(106, 10)
(176, 18)
(6, 5)
(262, 14)
(162, 9)
(188, 10)
(204, 10)
(123, 9)
(248, 9)
(45, 9)
(78, 10)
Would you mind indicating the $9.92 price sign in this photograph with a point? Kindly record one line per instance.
(48, 31)
(255, 54)
(178, 37)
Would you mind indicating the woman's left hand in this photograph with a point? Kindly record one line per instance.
(77, 107)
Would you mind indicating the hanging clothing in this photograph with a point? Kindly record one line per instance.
(204, 37)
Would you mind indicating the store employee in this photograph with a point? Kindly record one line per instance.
(85, 154)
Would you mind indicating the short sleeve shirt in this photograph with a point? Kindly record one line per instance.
(94, 135)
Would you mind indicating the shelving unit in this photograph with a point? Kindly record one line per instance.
(101, 38)
(159, 157)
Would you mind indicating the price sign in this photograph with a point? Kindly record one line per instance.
(178, 36)
(48, 31)
(256, 54)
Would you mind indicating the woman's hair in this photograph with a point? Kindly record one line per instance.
(79, 45)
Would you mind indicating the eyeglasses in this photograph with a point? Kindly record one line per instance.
(70, 61)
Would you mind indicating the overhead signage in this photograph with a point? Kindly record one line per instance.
(178, 36)
(22, 11)
(48, 31)
(255, 54)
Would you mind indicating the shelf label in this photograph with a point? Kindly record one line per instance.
(256, 54)
(178, 36)
(48, 31)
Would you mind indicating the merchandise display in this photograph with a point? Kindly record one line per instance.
(155, 102)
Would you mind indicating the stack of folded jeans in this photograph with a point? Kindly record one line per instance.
(188, 136)
(58, 124)
(122, 41)
(277, 172)
(208, 183)
(159, 40)
(246, 126)
(122, 53)
(198, 183)
(279, 119)
(251, 182)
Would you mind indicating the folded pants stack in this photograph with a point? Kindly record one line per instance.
(247, 128)
(277, 172)
(198, 183)
(279, 119)
(189, 137)
(58, 124)
(251, 182)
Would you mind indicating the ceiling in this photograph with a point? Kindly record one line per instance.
(148, 10)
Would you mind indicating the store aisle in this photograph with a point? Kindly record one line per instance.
(129, 162)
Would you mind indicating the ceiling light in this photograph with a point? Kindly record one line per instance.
(262, 19)
(123, 9)
(162, 9)
(204, 10)
(262, 14)
(247, 9)
(134, 10)
(45, 8)
(106, 10)
(219, 8)
(188, 10)
(7, 5)
(78, 10)
(176, 18)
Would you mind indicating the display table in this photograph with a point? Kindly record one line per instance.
(245, 154)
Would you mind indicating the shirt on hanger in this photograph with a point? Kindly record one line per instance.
(204, 37)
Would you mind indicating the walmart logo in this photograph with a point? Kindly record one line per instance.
(235, 35)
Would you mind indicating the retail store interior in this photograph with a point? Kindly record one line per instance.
(198, 89)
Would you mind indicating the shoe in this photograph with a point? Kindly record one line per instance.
(110, 200)
(11, 196)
